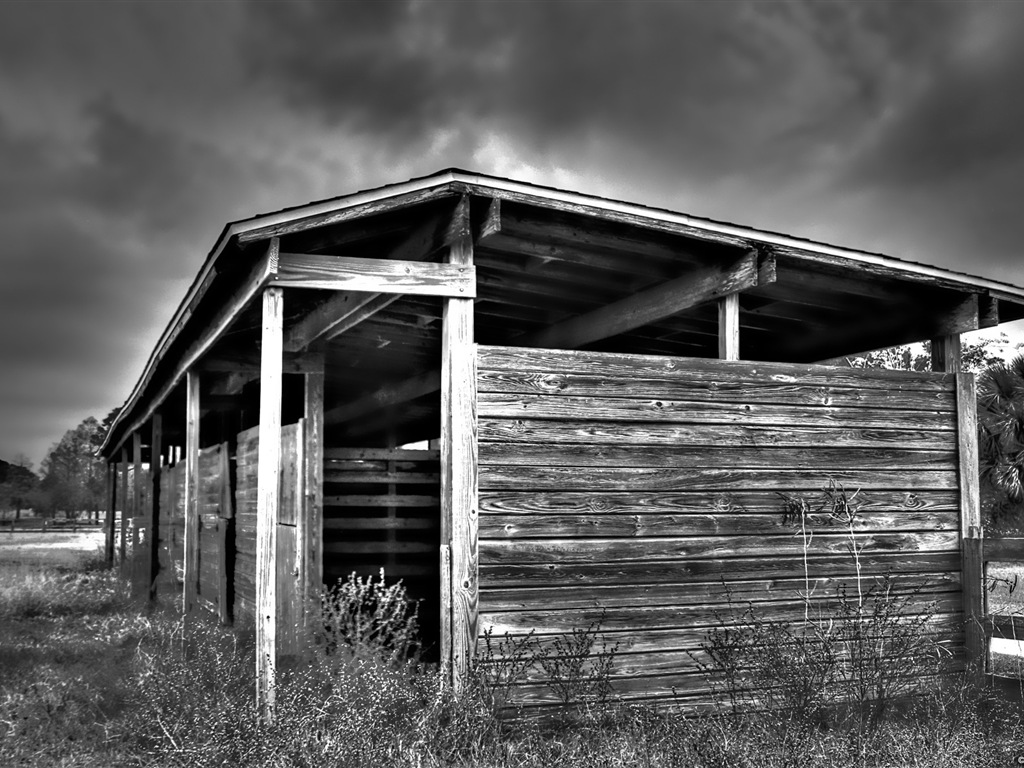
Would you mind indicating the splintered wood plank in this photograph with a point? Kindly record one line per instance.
(499, 405)
(736, 458)
(267, 489)
(408, 278)
(668, 548)
(634, 367)
(715, 479)
(191, 492)
(731, 387)
(554, 432)
(571, 575)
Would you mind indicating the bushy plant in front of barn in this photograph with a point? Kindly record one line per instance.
(852, 658)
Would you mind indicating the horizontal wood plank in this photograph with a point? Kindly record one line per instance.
(520, 526)
(511, 406)
(740, 457)
(739, 592)
(658, 479)
(559, 431)
(653, 367)
(737, 388)
(719, 501)
(651, 548)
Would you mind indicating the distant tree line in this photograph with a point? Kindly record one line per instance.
(71, 480)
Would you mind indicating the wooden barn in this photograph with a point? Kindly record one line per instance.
(543, 409)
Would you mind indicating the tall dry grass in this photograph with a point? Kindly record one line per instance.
(88, 679)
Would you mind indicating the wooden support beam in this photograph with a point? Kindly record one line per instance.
(408, 278)
(224, 540)
(191, 556)
(156, 448)
(125, 510)
(311, 524)
(253, 281)
(459, 511)
(388, 395)
(729, 327)
(971, 531)
(268, 474)
(347, 309)
(988, 311)
(137, 557)
(649, 306)
(109, 532)
(244, 363)
(880, 330)
(946, 353)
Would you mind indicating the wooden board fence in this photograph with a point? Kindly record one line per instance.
(642, 494)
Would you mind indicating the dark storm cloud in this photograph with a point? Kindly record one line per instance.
(96, 257)
(706, 87)
(891, 126)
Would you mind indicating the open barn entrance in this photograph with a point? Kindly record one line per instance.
(382, 515)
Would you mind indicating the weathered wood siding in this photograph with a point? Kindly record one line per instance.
(381, 510)
(214, 507)
(626, 489)
(172, 525)
(247, 459)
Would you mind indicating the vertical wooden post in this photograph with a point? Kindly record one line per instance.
(946, 353)
(155, 471)
(191, 555)
(137, 557)
(729, 327)
(224, 539)
(459, 460)
(108, 551)
(971, 531)
(268, 472)
(311, 522)
(125, 511)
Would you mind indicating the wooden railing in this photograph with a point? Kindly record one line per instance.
(1008, 626)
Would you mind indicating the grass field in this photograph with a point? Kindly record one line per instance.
(87, 679)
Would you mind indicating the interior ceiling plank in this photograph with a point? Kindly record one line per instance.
(905, 325)
(651, 305)
(388, 395)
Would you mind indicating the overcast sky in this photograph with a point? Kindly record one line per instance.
(131, 132)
